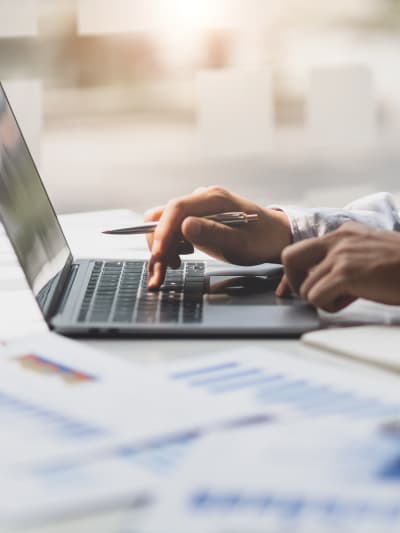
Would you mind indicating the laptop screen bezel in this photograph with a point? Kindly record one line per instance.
(47, 308)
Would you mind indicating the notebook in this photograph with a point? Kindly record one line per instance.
(376, 345)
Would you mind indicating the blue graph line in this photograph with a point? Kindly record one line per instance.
(295, 507)
(278, 389)
(165, 455)
(233, 376)
(245, 384)
(205, 370)
(47, 419)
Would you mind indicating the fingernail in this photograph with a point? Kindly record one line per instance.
(151, 284)
(154, 279)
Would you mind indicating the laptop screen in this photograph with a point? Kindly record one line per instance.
(25, 209)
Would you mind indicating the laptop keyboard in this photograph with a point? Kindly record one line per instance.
(117, 293)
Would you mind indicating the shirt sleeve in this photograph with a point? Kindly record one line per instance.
(377, 210)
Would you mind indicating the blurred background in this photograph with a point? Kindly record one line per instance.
(126, 103)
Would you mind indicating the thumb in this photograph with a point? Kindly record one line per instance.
(210, 237)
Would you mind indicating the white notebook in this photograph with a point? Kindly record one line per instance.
(377, 345)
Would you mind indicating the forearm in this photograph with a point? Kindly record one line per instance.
(378, 210)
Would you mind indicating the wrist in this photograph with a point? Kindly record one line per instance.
(280, 232)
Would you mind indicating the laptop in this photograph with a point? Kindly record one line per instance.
(109, 298)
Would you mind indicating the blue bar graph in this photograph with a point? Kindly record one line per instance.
(277, 388)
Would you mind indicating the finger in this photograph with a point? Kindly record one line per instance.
(153, 215)
(173, 261)
(344, 301)
(210, 237)
(315, 275)
(328, 293)
(154, 279)
(169, 226)
(299, 258)
(200, 190)
(283, 289)
(157, 276)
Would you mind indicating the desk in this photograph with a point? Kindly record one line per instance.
(83, 233)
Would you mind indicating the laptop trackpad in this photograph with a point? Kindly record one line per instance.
(251, 303)
(255, 290)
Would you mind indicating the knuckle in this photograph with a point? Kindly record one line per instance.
(344, 267)
(200, 190)
(349, 226)
(318, 302)
(344, 232)
(343, 249)
(331, 240)
(352, 229)
(216, 190)
(177, 204)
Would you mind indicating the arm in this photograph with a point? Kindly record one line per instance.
(262, 242)
(377, 210)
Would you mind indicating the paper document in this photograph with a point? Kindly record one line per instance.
(305, 476)
(118, 475)
(312, 398)
(283, 384)
(378, 345)
(75, 394)
(76, 417)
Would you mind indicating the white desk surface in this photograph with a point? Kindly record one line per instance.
(83, 233)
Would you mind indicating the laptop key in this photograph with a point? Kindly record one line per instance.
(117, 292)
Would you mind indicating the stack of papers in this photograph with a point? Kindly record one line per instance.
(326, 460)
(305, 476)
(73, 415)
(249, 440)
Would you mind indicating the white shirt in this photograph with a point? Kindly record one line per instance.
(377, 210)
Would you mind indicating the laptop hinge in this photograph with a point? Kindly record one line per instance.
(67, 289)
(57, 290)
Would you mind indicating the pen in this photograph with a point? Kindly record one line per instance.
(228, 219)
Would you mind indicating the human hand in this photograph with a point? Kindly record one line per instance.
(355, 261)
(255, 243)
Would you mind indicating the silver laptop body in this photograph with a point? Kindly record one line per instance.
(101, 297)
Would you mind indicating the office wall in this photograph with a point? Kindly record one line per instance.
(18, 18)
(143, 100)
